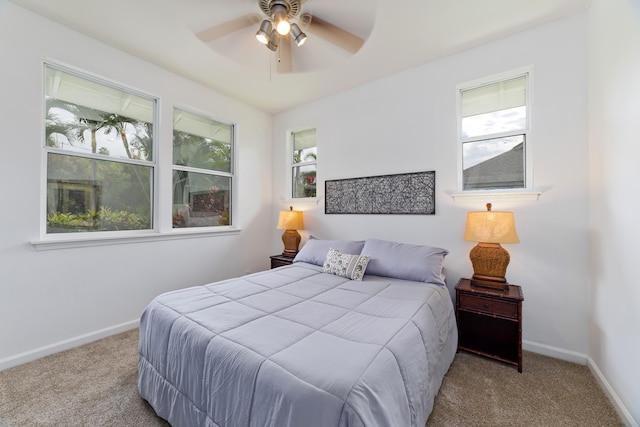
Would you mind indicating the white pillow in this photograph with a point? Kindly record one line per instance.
(345, 265)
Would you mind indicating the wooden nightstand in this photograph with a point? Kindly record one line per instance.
(490, 322)
(280, 260)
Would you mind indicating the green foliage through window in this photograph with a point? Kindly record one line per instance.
(304, 163)
(99, 147)
(102, 220)
(202, 171)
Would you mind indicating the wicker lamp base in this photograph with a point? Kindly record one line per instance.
(490, 261)
(291, 240)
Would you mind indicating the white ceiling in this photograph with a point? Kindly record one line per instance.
(398, 34)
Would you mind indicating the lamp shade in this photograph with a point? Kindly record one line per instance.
(491, 227)
(290, 220)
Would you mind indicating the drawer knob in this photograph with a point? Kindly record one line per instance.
(486, 305)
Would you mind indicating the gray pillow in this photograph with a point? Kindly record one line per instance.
(315, 250)
(420, 263)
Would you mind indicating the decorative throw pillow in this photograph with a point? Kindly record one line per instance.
(345, 265)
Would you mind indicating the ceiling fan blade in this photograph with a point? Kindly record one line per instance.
(283, 55)
(336, 35)
(215, 32)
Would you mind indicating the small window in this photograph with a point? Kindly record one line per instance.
(494, 125)
(304, 158)
(202, 170)
(99, 145)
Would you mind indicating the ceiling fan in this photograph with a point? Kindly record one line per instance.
(283, 24)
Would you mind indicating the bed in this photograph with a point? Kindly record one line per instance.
(353, 333)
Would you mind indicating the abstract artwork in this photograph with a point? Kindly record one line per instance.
(407, 193)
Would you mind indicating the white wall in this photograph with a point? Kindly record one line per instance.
(614, 149)
(54, 299)
(407, 123)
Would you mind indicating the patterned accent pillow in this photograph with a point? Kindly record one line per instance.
(345, 265)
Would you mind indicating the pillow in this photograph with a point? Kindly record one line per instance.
(315, 250)
(405, 261)
(345, 265)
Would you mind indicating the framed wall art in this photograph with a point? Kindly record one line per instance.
(406, 193)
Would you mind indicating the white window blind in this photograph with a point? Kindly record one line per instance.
(493, 97)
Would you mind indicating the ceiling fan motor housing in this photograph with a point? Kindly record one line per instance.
(292, 7)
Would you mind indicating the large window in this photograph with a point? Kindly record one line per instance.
(99, 147)
(494, 125)
(304, 158)
(202, 170)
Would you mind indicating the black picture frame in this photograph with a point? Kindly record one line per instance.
(398, 194)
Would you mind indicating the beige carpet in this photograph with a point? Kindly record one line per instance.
(548, 393)
(95, 385)
(91, 385)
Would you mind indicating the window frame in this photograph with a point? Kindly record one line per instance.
(291, 165)
(162, 182)
(82, 237)
(527, 192)
(232, 174)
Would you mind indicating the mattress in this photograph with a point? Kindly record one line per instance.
(294, 346)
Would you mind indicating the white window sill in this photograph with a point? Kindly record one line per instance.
(68, 243)
(493, 197)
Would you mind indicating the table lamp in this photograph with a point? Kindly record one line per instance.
(489, 259)
(290, 221)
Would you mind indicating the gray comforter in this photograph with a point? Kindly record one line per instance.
(297, 347)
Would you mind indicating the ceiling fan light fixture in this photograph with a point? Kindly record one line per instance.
(274, 40)
(298, 36)
(281, 19)
(263, 33)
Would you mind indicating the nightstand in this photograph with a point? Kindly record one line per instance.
(280, 260)
(490, 321)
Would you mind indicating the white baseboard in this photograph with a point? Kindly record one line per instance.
(29, 356)
(611, 394)
(555, 352)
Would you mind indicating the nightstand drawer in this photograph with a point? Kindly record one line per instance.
(486, 305)
(280, 261)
